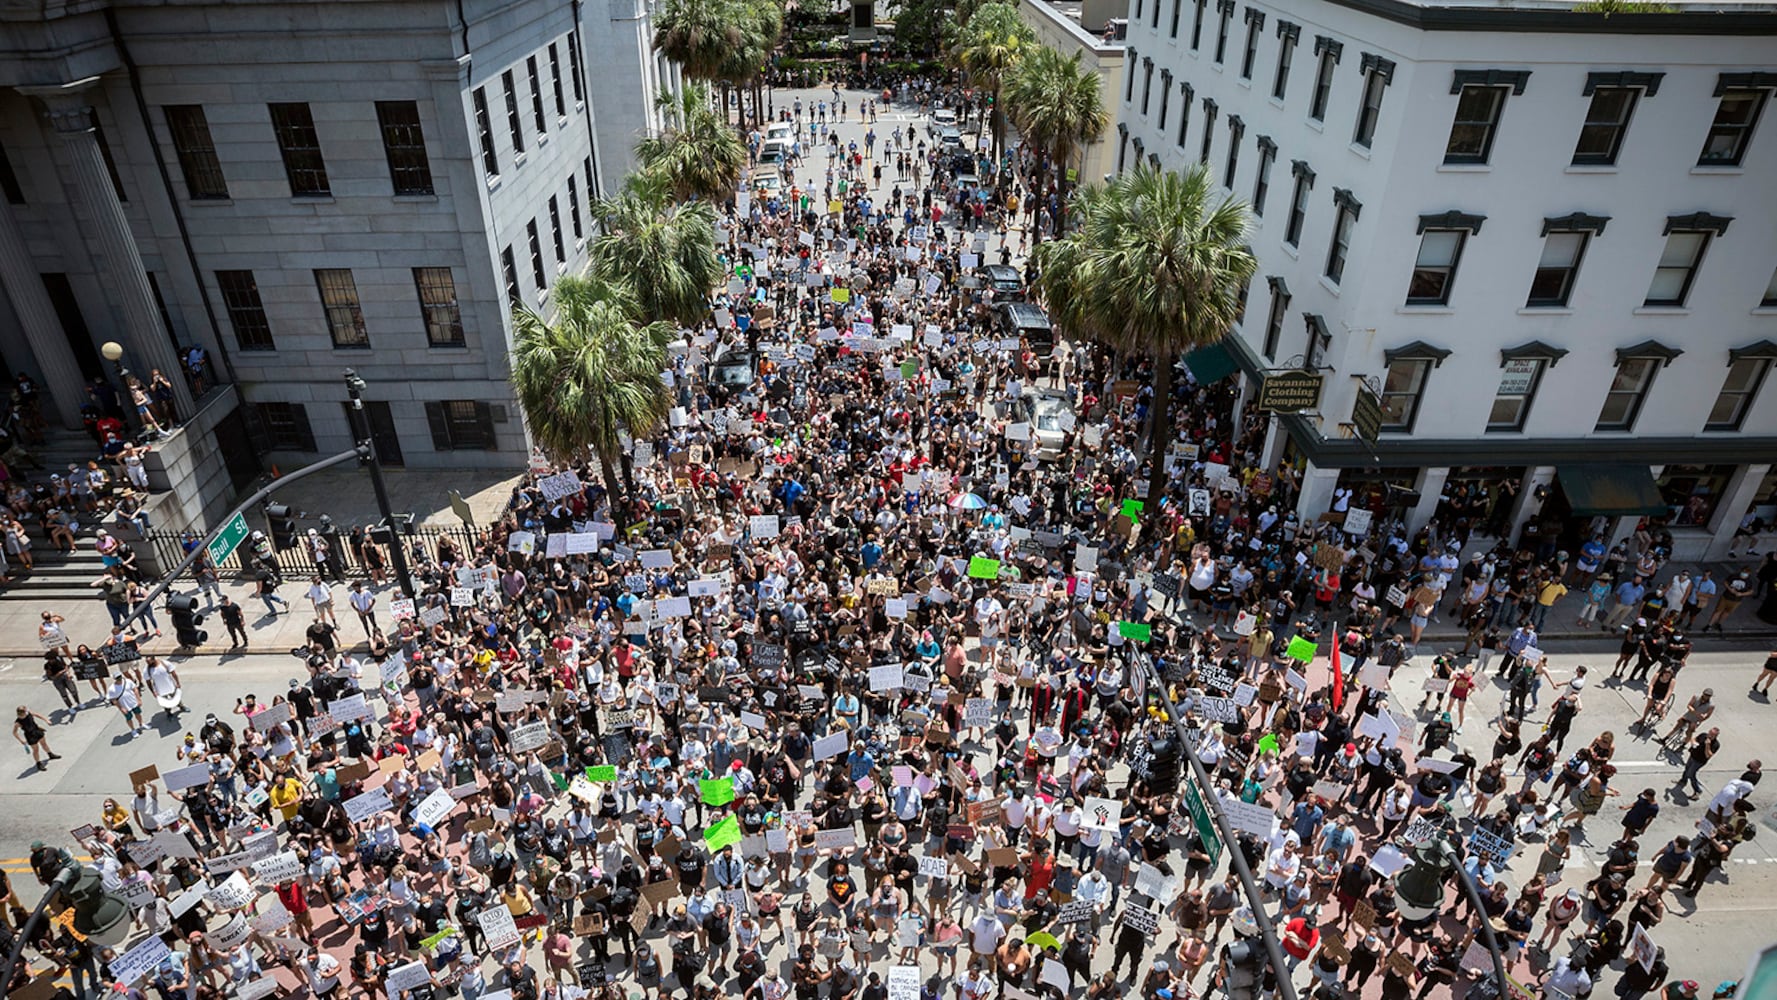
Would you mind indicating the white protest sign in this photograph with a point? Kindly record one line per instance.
(831, 745)
(1357, 522)
(434, 808)
(523, 542)
(497, 924)
(361, 807)
(530, 737)
(562, 484)
(836, 840)
(187, 777)
(140, 960)
(895, 607)
(1249, 816)
(414, 974)
(234, 893)
(230, 935)
(934, 867)
(1155, 884)
(885, 678)
(1102, 814)
(350, 707)
(763, 525)
(904, 982)
(277, 868)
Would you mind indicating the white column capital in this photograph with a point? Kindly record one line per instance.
(66, 104)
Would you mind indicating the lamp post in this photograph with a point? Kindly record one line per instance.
(368, 457)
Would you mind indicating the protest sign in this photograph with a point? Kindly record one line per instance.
(529, 737)
(272, 715)
(277, 868)
(831, 745)
(904, 982)
(187, 777)
(234, 893)
(415, 974)
(1140, 917)
(498, 927)
(1102, 814)
(139, 960)
(432, 810)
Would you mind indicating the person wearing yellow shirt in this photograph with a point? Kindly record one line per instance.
(286, 796)
(1551, 591)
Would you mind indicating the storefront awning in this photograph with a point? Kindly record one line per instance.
(1611, 489)
(1211, 364)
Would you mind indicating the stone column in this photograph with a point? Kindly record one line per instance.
(121, 268)
(1741, 491)
(1317, 493)
(1430, 485)
(1527, 505)
(43, 328)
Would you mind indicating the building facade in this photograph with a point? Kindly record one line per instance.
(1528, 245)
(298, 189)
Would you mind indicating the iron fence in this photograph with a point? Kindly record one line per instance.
(168, 549)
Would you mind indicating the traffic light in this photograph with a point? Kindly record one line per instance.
(183, 610)
(1243, 969)
(1163, 763)
(283, 526)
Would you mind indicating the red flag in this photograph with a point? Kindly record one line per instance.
(1338, 677)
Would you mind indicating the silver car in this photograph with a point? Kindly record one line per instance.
(1049, 413)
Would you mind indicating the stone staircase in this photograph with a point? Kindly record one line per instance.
(58, 576)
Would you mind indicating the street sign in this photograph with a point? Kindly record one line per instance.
(1289, 392)
(1366, 414)
(1206, 826)
(461, 508)
(228, 539)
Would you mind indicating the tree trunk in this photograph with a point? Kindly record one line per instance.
(618, 515)
(1161, 414)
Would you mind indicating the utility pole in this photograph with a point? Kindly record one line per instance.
(367, 456)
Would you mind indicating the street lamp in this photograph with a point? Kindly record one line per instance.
(367, 456)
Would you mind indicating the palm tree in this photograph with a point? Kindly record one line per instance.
(989, 48)
(1057, 107)
(1161, 259)
(697, 153)
(665, 251)
(699, 35)
(590, 375)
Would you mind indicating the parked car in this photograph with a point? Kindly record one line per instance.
(942, 119)
(1029, 321)
(950, 138)
(779, 130)
(1005, 281)
(734, 370)
(774, 151)
(1047, 411)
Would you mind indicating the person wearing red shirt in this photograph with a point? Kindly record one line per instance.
(1301, 936)
(296, 903)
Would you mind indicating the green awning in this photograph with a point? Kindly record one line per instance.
(1612, 489)
(1211, 364)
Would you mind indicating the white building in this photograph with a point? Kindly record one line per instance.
(1068, 27)
(300, 188)
(1545, 238)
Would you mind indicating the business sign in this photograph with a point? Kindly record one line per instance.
(1366, 414)
(1288, 392)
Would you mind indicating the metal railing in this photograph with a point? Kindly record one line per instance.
(168, 550)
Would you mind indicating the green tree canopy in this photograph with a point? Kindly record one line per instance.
(697, 154)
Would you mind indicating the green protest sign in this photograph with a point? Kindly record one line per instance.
(1135, 630)
(719, 792)
(1132, 510)
(602, 772)
(434, 939)
(722, 834)
(983, 568)
(1300, 649)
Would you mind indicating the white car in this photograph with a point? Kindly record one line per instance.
(779, 130)
(942, 119)
(1049, 414)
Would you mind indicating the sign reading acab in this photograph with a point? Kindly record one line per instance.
(1288, 392)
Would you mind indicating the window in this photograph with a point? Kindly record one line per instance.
(591, 181)
(1155, 23)
(461, 425)
(1556, 270)
(1435, 270)
(196, 151)
(1236, 129)
(1402, 389)
(1677, 268)
(484, 128)
(1326, 53)
(286, 426)
(1292, 228)
(574, 208)
(1280, 307)
(1129, 79)
(530, 229)
(1770, 299)
(438, 306)
(339, 301)
(574, 67)
(509, 271)
(537, 118)
(1348, 209)
(1209, 128)
(1477, 118)
(1731, 131)
(1287, 33)
(405, 145)
(1517, 387)
(1197, 25)
(513, 122)
(303, 165)
(1635, 376)
(1745, 376)
(561, 104)
(1262, 178)
(555, 229)
(1184, 114)
(1177, 7)
(9, 181)
(1147, 82)
(1165, 98)
(1378, 73)
(1607, 120)
(1225, 15)
(240, 296)
(1255, 23)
